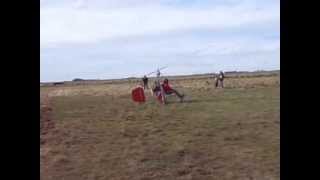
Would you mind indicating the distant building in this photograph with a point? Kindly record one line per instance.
(77, 79)
(58, 83)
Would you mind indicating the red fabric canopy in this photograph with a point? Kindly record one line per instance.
(138, 95)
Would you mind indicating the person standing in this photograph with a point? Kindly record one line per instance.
(219, 79)
(145, 82)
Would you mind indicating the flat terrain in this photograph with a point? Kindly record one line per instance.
(97, 132)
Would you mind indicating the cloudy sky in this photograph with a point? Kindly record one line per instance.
(101, 39)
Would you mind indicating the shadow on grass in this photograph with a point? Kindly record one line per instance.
(191, 101)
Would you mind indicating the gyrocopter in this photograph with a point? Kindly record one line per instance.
(159, 90)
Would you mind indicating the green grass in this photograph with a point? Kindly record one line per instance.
(216, 134)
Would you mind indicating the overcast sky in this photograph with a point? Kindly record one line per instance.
(101, 39)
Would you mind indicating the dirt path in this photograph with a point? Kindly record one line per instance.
(46, 127)
(46, 122)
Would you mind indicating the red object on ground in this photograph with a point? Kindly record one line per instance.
(138, 95)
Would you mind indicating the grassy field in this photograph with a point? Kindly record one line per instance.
(97, 132)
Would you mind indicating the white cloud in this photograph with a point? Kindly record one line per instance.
(113, 38)
(73, 25)
(236, 46)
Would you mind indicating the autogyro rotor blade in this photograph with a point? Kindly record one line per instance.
(157, 70)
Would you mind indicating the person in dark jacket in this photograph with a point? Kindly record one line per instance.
(145, 82)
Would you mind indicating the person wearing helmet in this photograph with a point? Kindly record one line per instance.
(169, 90)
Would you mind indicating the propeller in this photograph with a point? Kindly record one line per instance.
(157, 71)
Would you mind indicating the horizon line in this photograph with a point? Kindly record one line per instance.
(135, 77)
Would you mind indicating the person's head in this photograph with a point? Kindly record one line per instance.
(166, 81)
